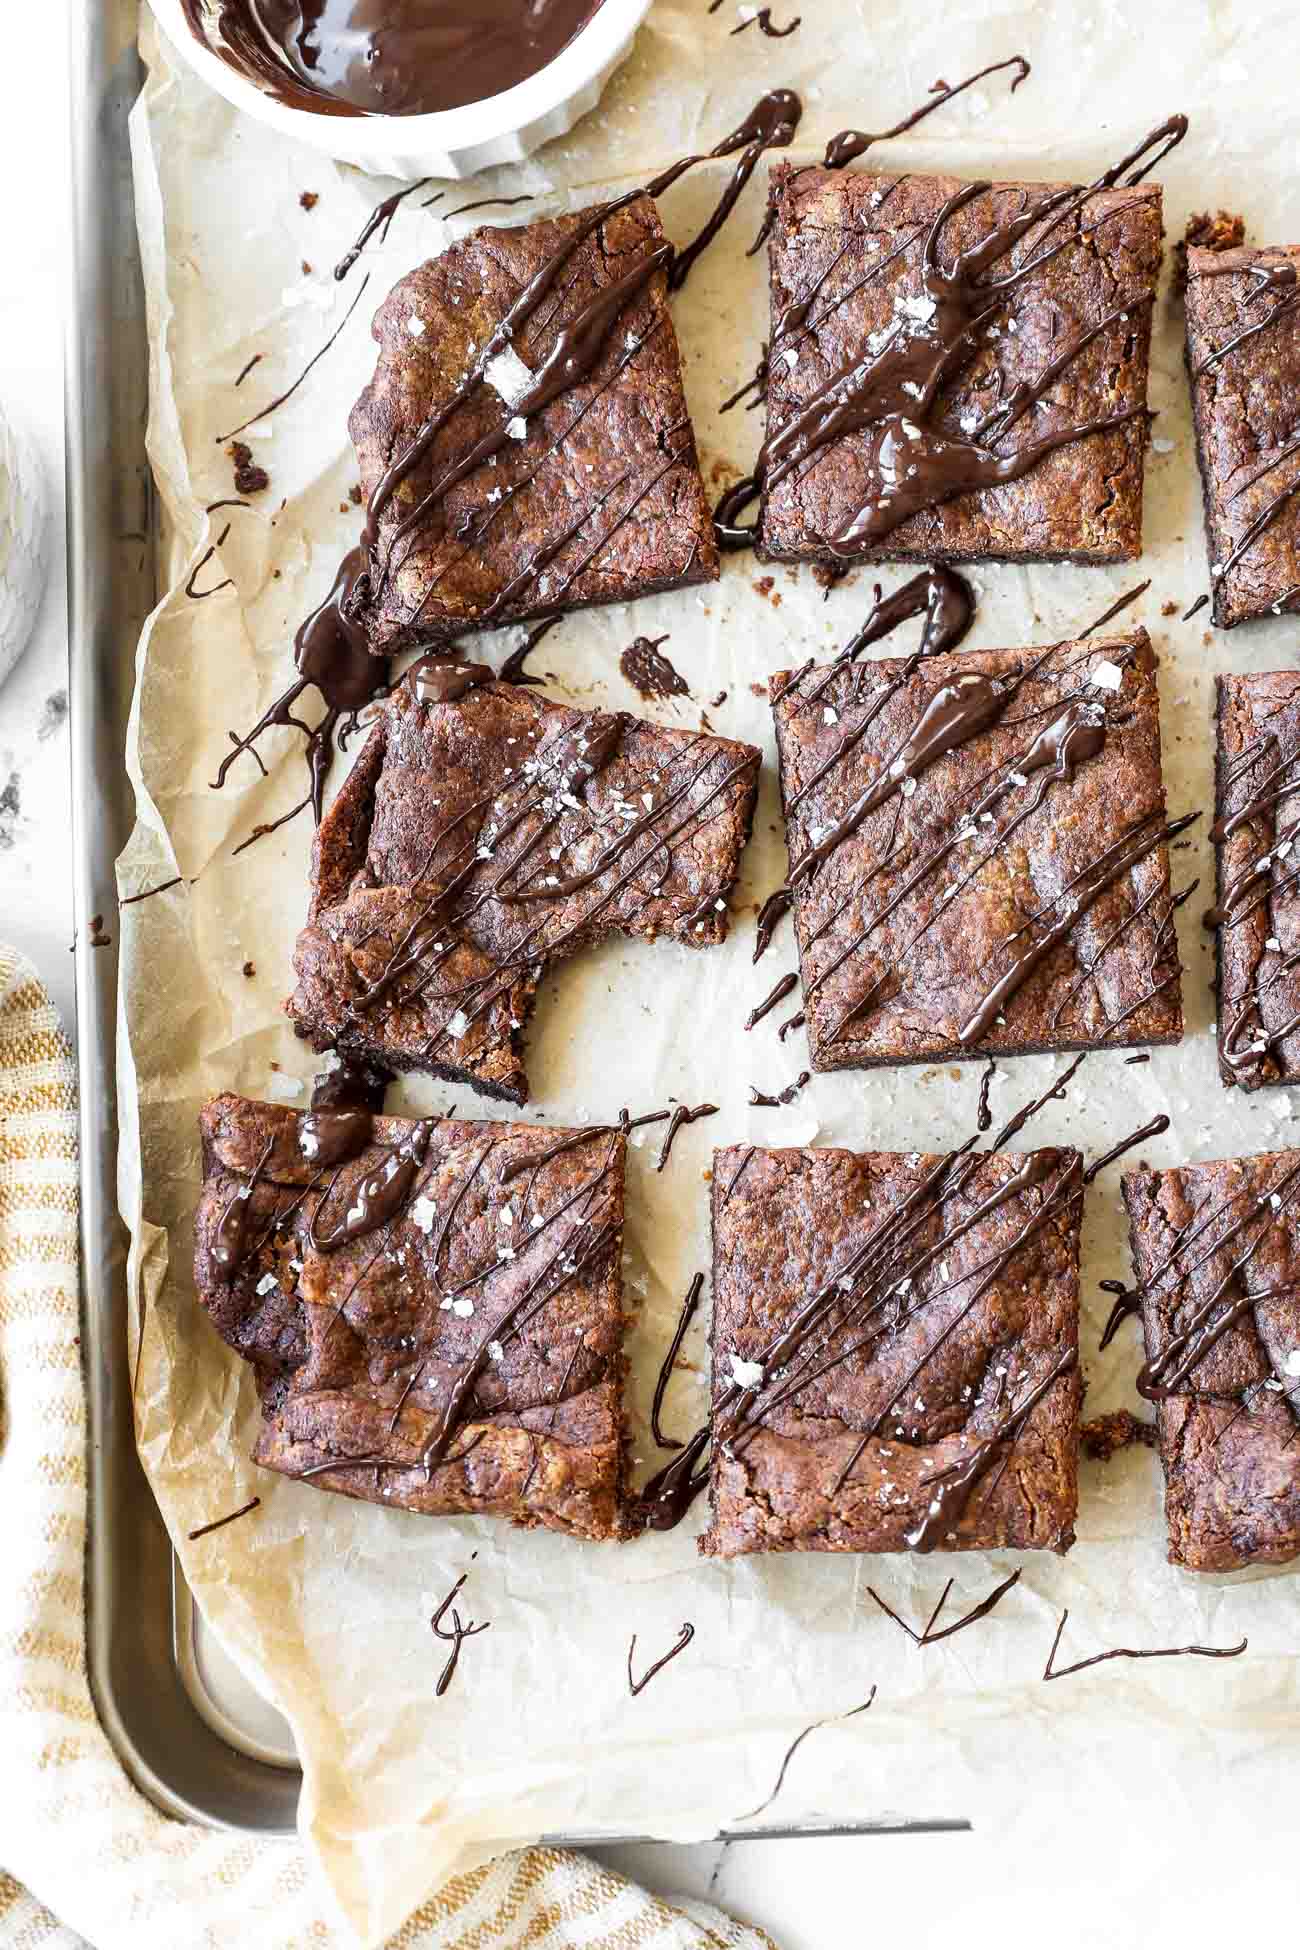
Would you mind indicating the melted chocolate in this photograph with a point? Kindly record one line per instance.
(1153, 1129)
(984, 1116)
(846, 147)
(797, 1353)
(682, 1115)
(230, 1240)
(793, 1749)
(634, 1686)
(1128, 1652)
(690, 1306)
(760, 1100)
(379, 222)
(457, 1635)
(344, 1104)
(387, 57)
(219, 1523)
(763, 19)
(648, 671)
(928, 1635)
(895, 395)
(380, 1195)
(512, 670)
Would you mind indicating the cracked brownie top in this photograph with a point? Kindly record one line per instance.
(894, 1350)
(434, 1316)
(485, 832)
(1062, 347)
(595, 497)
(979, 852)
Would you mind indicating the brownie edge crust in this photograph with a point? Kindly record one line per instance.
(499, 1276)
(963, 1309)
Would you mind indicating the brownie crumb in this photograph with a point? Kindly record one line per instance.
(249, 477)
(249, 970)
(308, 200)
(1169, 609)
(1226, 232)
(1106, 1435)
(355, 495)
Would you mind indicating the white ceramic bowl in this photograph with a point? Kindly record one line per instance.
(457, 142)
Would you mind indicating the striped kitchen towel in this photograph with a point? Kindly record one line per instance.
(102, 1866)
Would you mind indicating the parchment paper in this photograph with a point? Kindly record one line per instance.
(326, 1603)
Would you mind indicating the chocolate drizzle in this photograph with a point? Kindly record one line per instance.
(380, 1196)
(634, 1686)
(846, 147)
(1129, 1652)
(512, 670)
(401, 57)
(456, 1636)
(690, 1306)
(230, 1240)
(681, 1116)
(760, 1099)
(219, 1523)
(894, 394)
(763, 19)
(793, 1749)
(648, 671)
(332, 647)
(823, 1331)
(1206, 1237)
(344, 1104)
(928, 1635)
(1252, 791)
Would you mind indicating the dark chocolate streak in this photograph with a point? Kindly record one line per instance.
(857, 1295)
(761, 1100)
(684, 1637)
(690, 1306)
(1128, 1652)
(928, 1635)
(648, 671)
(512, 670)
(895, 395)
(793, 1749)
(219, 1523)
(456, 1636)
(1252, 790)
(1268, 277)
(1171, 1370)
(846, 147)
(386, 57)
(763, 18)
(682, 1115)
(957, 713)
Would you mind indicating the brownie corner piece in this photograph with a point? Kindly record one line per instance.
(1257, 904)
(895, 1351)
(1243, 363)
(1216, 1259)
(1068, 350)
(485, 833)
(979, 859)
(494, 516)
(435, 1320)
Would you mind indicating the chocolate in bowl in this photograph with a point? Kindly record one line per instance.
(387, 57)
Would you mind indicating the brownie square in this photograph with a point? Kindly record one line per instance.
(928, 1397)
(1257, 915)
(1217, 1260)
(598, 499)
(495, 1282)
(978, 853)
(1244, 412)
(483, 836)
(845, 254)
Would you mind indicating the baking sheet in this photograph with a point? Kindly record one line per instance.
(326, 1603)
